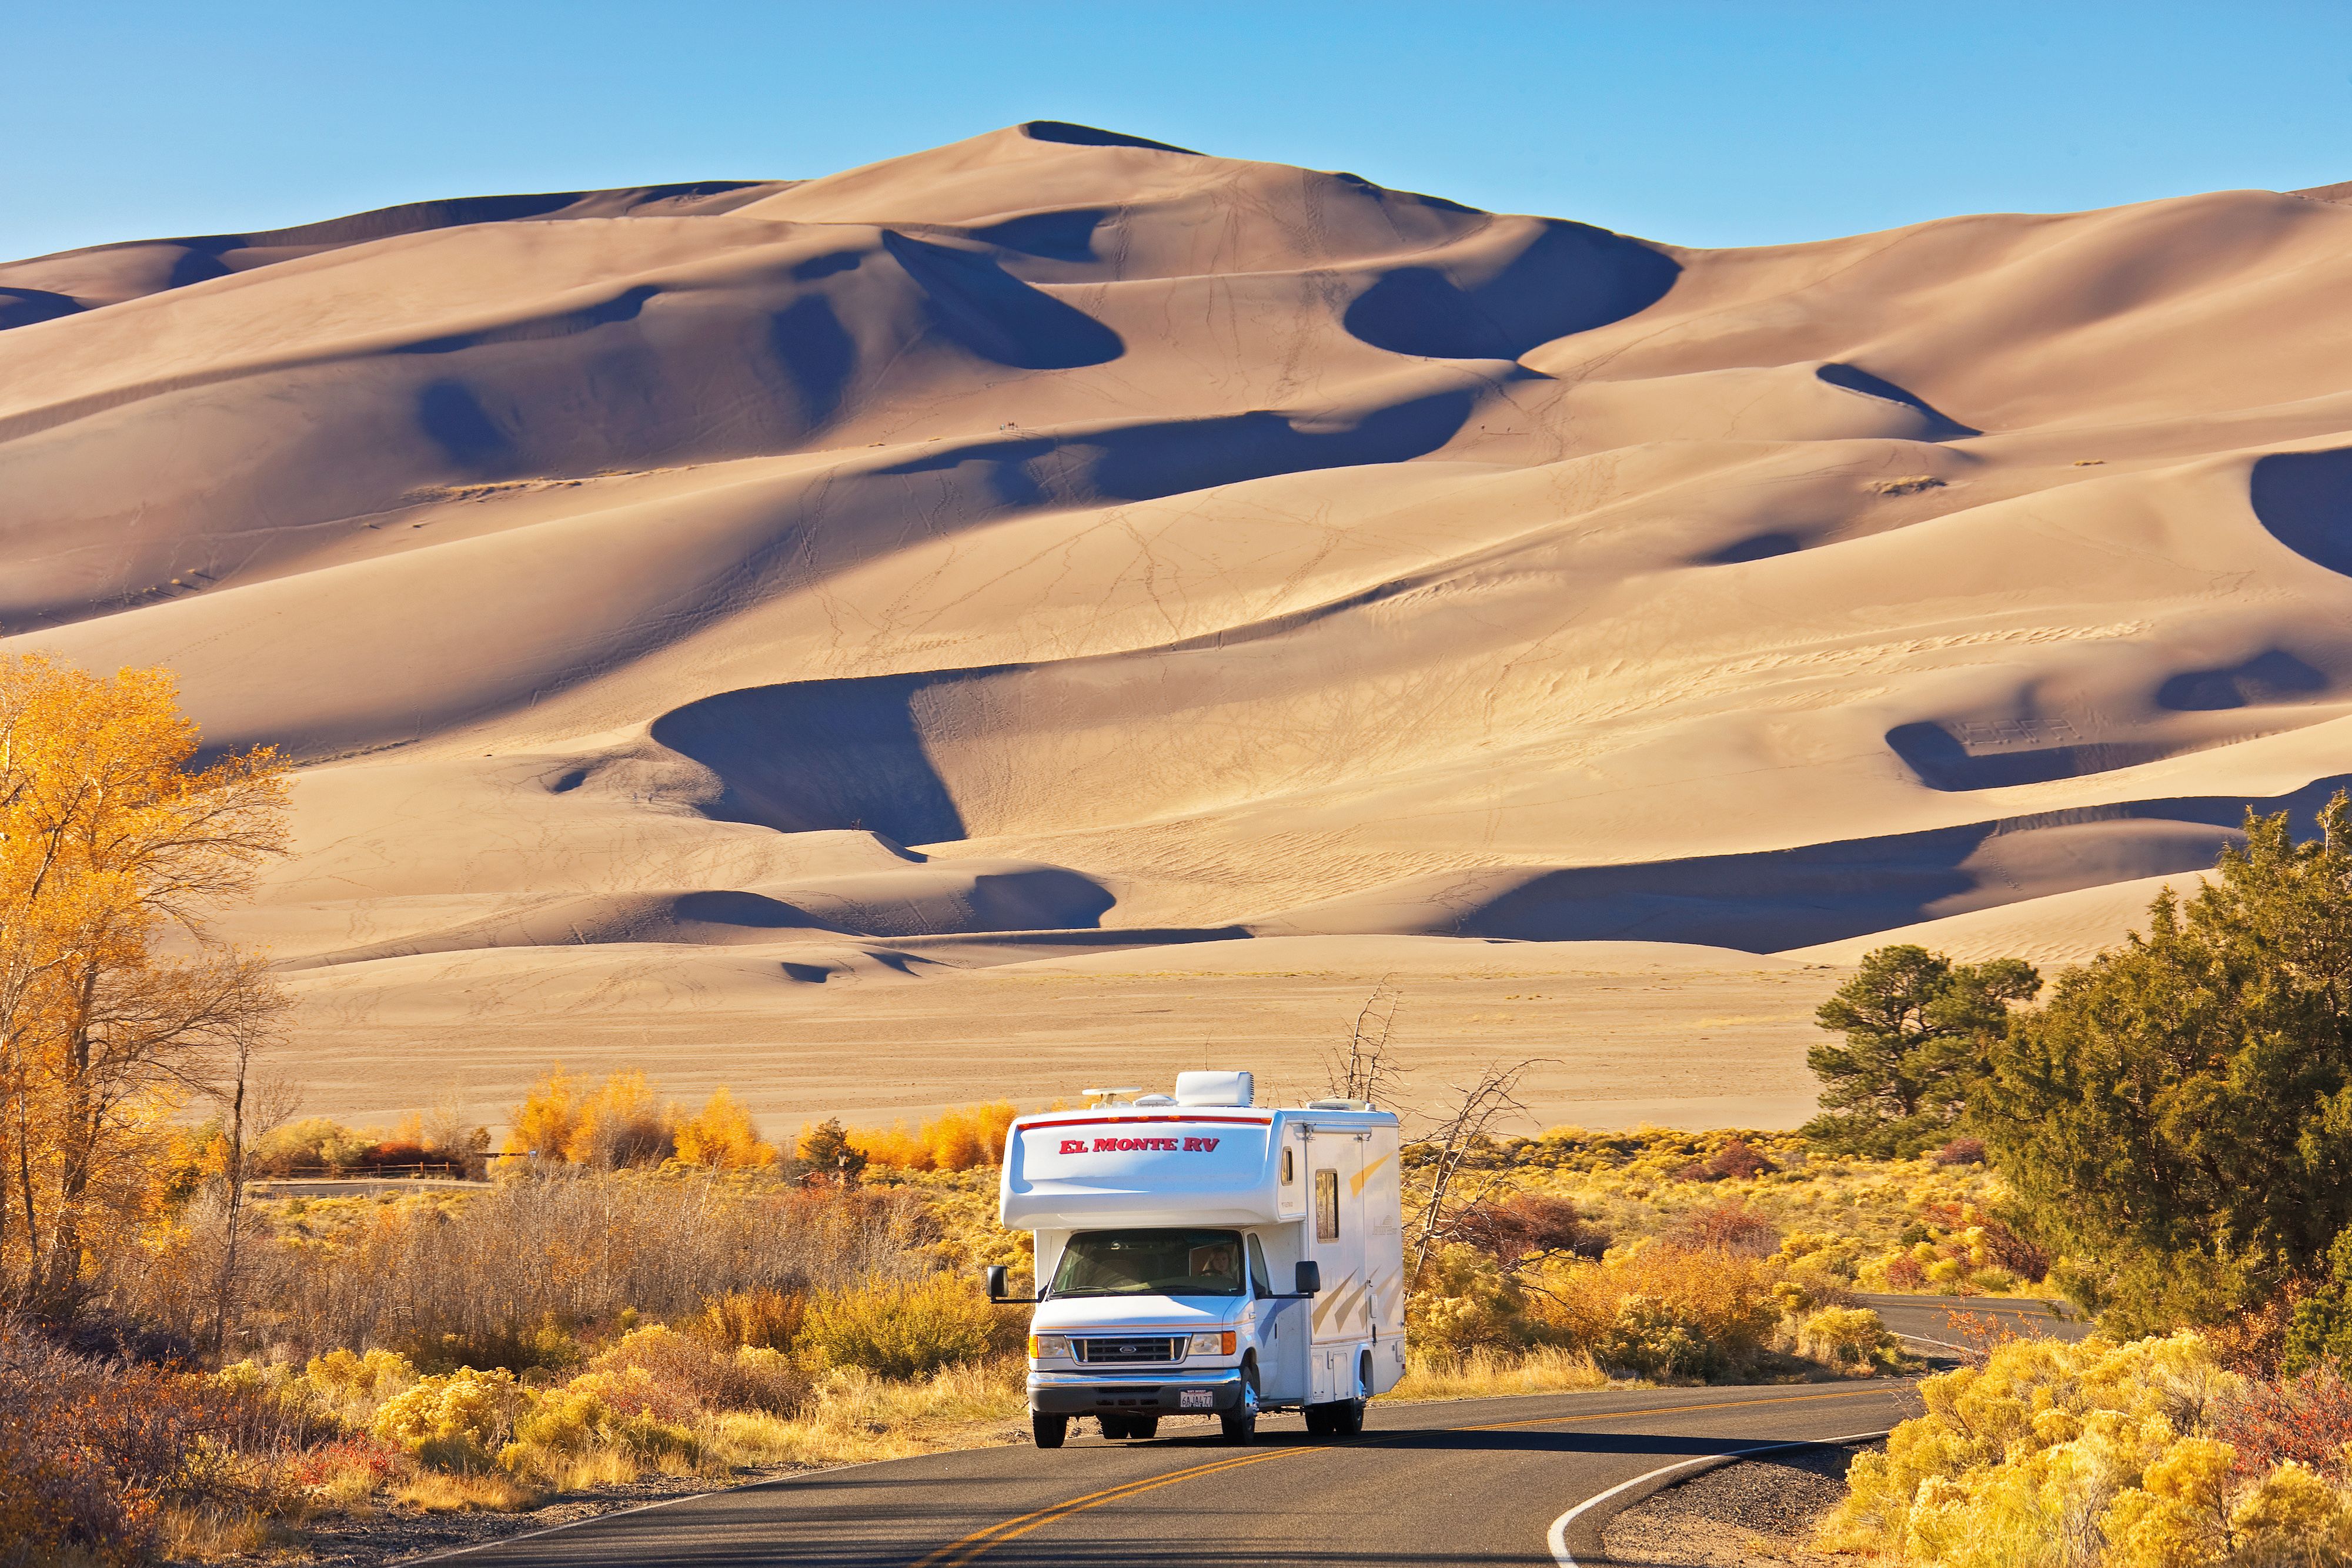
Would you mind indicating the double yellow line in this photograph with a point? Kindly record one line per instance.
(957, 1554)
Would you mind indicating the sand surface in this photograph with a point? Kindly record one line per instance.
(713, 617)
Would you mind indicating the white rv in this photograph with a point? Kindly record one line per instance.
(1196, 1253)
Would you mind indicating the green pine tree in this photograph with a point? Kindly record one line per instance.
(2178, 1118)
(1916, 1031)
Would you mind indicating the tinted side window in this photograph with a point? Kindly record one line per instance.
(1259, 1279)
(1326, 1205)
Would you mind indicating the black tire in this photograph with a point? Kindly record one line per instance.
(1347, 1415)
(1240, 1423)
(1140, 1427)
(1318, 1420)
(1114, 1427)
(1049, 1430)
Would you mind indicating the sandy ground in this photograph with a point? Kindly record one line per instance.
(1624, 1036)
(712, 620)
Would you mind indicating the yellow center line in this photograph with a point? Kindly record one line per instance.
(957, 1552)
(970, 1549)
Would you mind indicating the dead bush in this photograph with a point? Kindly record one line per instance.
(1730, 1227)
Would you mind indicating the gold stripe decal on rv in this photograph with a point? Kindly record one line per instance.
(1355, 1183)
(1338, 1304)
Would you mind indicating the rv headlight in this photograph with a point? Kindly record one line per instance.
(1048, 1346)
(1212, 1343)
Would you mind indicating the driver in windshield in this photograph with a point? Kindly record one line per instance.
(1220, 1262)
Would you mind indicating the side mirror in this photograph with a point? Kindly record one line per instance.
(995, 1273)
(1310, 1278)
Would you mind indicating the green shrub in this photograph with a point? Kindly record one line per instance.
(1659, 1338)
(898, 1330)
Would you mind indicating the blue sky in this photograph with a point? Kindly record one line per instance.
(1708, 125)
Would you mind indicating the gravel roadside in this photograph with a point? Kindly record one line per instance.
(1757, 1513)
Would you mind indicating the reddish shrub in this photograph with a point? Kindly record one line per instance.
(1960, 1152)
(1978, 1334)
(1906, 1273)
(1737, 1160)
(1528, 1226)
(2014, 1252)
(2307, 1418)
(89, 1450)
(341, 1456)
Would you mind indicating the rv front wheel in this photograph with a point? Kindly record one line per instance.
(1049, 1430)
(1240, 1423)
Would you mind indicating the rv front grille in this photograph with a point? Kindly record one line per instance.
(1113, 1352)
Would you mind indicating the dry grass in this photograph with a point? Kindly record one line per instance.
(1487, 1374)
(1906, 485)
(465, 1491)
(858, 1416)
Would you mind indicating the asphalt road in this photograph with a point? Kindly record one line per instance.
(1461, 1481)
(1474, 1481)
(1945, 1324)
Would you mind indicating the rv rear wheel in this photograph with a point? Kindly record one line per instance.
(1049, 1430)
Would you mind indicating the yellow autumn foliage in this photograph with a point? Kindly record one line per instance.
(2095, 1455)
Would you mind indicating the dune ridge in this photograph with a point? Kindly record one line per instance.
(1062, 538)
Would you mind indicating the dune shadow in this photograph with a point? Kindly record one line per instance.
(1065, 234)
(1825, 893)
(732, 906)
(623, 306)
(1941, 426)
(977, 305)
(1074, 135)
(21, 307)
(815, 353)
(1756, 547)
(819, 754)
(1572, 278)
(2304, 499)
(2274, 675)
(1941, 761)
(1148, 462)
(450, 413)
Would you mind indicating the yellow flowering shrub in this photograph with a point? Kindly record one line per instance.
(621, 1409)
(1846, 1336)
(2068, 1456)
(456, 1420)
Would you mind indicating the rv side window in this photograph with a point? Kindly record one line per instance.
(1326, 1205)
(1290, 1170)
(1260, 1282)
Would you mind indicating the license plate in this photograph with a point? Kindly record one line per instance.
(1195, 1399)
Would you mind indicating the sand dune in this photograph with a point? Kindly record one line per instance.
(1061, 539)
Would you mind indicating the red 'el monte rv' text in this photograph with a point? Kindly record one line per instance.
(1141, 1145)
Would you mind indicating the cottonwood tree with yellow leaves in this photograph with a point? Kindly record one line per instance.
(117, 1005)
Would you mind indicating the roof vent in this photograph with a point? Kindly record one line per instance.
(1155, 1099)
(1111, 1096)
(1213, 1089)
(1339, 1105)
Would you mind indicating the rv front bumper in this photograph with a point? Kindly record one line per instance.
(1157, 1392)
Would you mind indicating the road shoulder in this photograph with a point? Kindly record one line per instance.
(1752, 1513)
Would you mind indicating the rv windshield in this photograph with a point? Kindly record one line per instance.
(1151, 1263)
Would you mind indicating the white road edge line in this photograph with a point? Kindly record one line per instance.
(1558, 1538)
(552, 1529)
